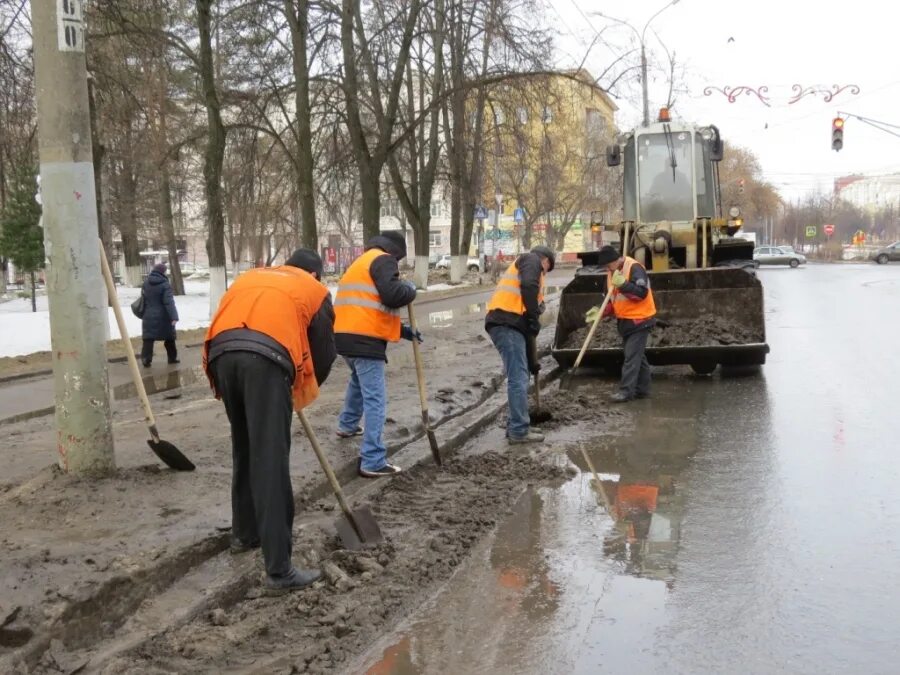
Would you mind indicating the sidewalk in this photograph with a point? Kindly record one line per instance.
(26, 398)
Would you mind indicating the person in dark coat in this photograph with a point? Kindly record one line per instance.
(160, 315)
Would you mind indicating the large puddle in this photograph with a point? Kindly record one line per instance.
(575, 579)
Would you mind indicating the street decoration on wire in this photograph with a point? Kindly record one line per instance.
(799, 92)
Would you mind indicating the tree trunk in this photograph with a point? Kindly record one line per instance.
(213, 160)
(167, 221)
(4, 270)
(299, 25)
(33, 293)
(131, 249)
(420, 274)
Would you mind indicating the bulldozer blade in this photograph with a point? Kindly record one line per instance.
(358, 529)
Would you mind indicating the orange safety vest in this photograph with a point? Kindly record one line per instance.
(358, 308)
(626, 308)
(508, 295)
(281, 303)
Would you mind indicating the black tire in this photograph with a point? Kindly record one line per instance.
(704, 367)
(756, 264)
(882, 259)
(795, 263)
(473, 268)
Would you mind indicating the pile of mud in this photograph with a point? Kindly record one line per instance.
(431, 519)
(707, 332)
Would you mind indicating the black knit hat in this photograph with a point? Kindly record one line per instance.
(546, 252)
(391, 241)
(606, 255)
(306, 259)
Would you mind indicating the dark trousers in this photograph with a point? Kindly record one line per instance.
(147, 350)
(257, 396)
(636, 369)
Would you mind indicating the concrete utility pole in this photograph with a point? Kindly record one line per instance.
(78, 313)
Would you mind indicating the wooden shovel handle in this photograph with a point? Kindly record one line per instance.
(420, 370)
(126, 342)
(326, 467)
(590, 335)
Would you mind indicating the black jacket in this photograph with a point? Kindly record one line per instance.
(636, 288)
(159, 308)
(530, 271)
(321, 343)
(394, 293)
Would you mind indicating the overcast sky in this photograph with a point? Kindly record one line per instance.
(776, 44)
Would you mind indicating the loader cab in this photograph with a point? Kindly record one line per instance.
(670, 173)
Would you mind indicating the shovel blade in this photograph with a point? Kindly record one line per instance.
(170, 455)
(366, 533)
(435, 451)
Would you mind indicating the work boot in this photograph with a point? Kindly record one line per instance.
(645, 394)
(531, 437)
(292, 581)
(620, 397)
(238, 546)
(349, 434)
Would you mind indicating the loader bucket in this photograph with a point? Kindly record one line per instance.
(706, 317)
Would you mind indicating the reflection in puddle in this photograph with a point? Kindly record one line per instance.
(170, 381)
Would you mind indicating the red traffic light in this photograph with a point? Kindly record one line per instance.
(837, 123)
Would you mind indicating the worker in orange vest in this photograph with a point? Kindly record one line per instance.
(513, 321)
(269, 347)
(633, 306)
(367, 316)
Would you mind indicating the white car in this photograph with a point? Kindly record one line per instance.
(778, 255)
(443, 263)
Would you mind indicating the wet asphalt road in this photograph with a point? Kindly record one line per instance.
(747, 525)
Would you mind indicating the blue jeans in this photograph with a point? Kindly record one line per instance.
(366, 395)
(511, 345)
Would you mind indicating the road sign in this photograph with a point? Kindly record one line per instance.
(810, 231)
(480, 212)
(519, 214)
(829, 230)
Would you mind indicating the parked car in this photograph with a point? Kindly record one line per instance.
(443, 263)
(888, 253)
(778, 255)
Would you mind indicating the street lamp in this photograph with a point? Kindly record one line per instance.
(641, 35)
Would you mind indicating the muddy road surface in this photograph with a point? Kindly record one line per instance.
(727, 524)
(741, 525)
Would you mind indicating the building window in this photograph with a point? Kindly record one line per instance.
(595, 124)
(436, 209)
(522, 114)
(547, 116)
(390, 207)
(499, 117)
(434, 239)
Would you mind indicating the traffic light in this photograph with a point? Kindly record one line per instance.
(741, 186)
(837, 134)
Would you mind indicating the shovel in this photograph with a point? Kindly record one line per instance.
(423, 399)
(536, 416)
(358, 527)
(565, 382)
(168, 453)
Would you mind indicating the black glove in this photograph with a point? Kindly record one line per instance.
(533, 326)
(407, 334)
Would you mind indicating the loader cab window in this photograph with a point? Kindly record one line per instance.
(665, 191)
(706, 204)
(630, 182)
